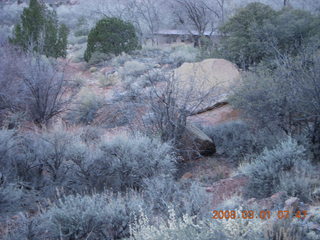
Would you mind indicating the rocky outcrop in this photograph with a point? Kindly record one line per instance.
(213, 78)
(195, 142)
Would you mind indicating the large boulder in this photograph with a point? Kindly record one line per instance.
(195, 142)
(212, 79)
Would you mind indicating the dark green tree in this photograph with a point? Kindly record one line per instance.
(39, 29)
(258, 33)
(242, 44)
(111, 35)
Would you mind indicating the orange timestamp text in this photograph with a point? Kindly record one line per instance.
(250, 214)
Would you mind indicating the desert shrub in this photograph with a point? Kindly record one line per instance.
(82, 28)
(311, 233)
(286, 229)
(100, 216)
(134, 68)
(24, 227)
(236, 139)
(174, 228)
(163, 192)
(301, 182)
(278, 98)
(7, 142)
(98, 57)
(269, 168)
(124, 162)
(121, 59)
(86, 108)
(33, 84)
(10, 195)
(5, 32)
(111, 35)
(42, 160)
(134, 78)
(26, 160)
(188, 227)
(109, 80)
(91, 135)
(181, 54)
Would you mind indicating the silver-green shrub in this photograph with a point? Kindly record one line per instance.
(124, 162)
(95, 217)
(268, 170)
(163, 193)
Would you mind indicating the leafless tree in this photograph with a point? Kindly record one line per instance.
(171, 102)
(46, 88)
(33, 84)
(198, 15)
(147, 12)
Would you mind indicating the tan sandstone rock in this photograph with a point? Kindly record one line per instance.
(195, 141)
(213, 78)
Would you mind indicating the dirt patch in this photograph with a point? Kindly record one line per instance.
(226, 188)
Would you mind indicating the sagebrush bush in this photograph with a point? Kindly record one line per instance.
(7, 142)
(98, 57)
(188, 227)
(91, 135)
(121, 60)
(163, 192)
(124, 162)
(182, 54)
(134, 68)
(268, 169)
(10, 195)
(86, 108)
(176, 228)
(43, 160)
(95, 217)
(236, 139)
(300, 182)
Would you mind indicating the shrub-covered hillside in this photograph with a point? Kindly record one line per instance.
(159, 120)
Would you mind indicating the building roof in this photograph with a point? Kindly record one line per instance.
(183, 32)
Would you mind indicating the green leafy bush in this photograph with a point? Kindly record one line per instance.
(242, 45)
(111, 36)
(257, 33)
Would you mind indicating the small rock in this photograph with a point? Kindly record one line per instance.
(93, 69)
(195, 140)
(187, 175)
(292, 204)
(251, 201)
